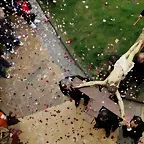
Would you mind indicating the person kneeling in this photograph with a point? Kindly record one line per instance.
(107, 120)
(134, 130)
(67, 89)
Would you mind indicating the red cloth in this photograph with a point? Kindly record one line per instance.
(15, 139)
(25, 7)
(16, 133)
(3, 122)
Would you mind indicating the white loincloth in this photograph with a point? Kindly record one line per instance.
(125, 64)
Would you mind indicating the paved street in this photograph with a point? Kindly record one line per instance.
(33, 84)
(62, 124)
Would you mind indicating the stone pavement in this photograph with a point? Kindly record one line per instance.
(62, 124)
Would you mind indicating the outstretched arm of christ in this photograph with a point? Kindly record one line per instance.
(91, 83)
(121, 104)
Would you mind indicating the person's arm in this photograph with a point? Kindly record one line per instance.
(91, 83)
(121, 104)
(79, 77)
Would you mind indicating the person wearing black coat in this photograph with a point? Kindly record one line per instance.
(4, 64)
(7, 37)
(67, 89)
(7, 7)
(134, 130)
(11, 120)
(107, 120)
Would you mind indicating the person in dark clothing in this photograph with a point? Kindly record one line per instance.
(24, 9)
(4, 64)
(7, 7)
(67, 89)
(134, 130)
(7, 36)
(11, 120)
(107, 120)
(138, 70)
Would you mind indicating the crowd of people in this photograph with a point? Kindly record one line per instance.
(8, 42)
(8, 38)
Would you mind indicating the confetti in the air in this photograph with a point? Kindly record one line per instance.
(104, 20)
(87, 6)
(117, 40)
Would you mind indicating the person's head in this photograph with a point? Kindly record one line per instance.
(103, 114)
(140, 57)
(111, 88)
(136, 120)
(66, 83)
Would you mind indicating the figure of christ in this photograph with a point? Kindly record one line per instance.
(121, 68)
